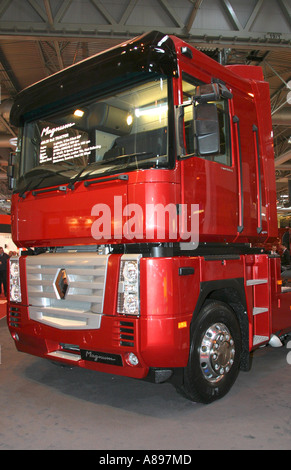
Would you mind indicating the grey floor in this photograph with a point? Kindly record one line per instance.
(43, 406)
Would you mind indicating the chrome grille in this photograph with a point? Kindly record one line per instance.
(82, 305)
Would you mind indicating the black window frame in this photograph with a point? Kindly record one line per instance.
(47, 113)
(225, 111)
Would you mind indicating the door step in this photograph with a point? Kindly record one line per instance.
(257, 269)
(258, 310)
(260, 340)
(64, 355)
(256, 282)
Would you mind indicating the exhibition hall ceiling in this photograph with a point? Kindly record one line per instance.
(41, 37)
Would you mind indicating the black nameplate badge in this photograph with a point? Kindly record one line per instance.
(104, 358)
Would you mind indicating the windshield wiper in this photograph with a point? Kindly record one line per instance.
(102, 162)
(71, 185)
(130, 155)
(50, 172)
(43, 177)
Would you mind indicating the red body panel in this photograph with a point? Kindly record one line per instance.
(75, 217)
(61, 218)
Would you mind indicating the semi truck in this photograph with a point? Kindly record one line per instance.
(144, 203)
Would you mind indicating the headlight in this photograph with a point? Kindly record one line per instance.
(15, 290)
(128, 287)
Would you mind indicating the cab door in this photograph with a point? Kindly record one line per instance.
(210, 180)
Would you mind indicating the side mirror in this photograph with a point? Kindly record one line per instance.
(206, 128)
(211, 92)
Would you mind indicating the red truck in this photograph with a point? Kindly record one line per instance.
(143, 196)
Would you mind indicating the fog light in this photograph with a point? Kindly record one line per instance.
(131, 359)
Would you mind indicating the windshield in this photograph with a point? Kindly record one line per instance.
(123, 131)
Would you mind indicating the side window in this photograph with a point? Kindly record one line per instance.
(189, 90)
(224, 154)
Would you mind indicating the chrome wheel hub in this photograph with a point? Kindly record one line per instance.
(216, 352)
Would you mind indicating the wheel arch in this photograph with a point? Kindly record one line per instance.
(232, 293)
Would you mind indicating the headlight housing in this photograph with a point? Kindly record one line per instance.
(128, 286)
(15, 288)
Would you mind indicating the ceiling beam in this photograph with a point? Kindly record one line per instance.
(5, 66)
(47, 69)
(8, 127)
(231, 15)
(38, 10)
(201, 37)
(127, 12)
(283, 158)
(105, 13)
(172, 14)
(196, 5)
(286, 10)
(3, 6)
(254, 15)
(51, 23)
(115, 21)
(62, 11)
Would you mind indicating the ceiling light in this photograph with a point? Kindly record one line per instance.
(151, 111)
(129, 120)
(79, 113)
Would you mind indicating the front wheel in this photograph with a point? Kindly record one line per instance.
(215, 352)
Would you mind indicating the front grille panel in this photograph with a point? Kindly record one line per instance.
(81, 304)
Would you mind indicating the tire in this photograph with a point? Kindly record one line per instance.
(215, 351)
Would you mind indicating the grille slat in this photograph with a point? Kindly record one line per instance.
(80, 302)
(14, 317)
(126, 334)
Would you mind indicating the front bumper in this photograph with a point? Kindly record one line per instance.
(87, 331)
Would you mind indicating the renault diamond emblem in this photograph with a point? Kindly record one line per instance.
(61, 284)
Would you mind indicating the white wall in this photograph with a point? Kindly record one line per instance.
(7, 243)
